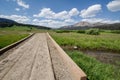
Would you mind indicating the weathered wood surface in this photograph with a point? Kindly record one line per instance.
(39, 59)
(63, 65)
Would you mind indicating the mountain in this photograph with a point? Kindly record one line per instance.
(82, 24)
(6, 22)
(9, 23)
(30, 25)
(86, 25)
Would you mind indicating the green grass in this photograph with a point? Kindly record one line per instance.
(104, 41)
(94, 69)
(93, 31)
(10, 35)
(19, 28)
(9, 38)
(62, 31)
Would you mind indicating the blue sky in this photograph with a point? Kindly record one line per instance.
(57, 13)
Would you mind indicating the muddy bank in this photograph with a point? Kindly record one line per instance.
(103, 56)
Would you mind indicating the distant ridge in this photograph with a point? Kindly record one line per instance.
(9, 23)
(86, 25)
(6, 22)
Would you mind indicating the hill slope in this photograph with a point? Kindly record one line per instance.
(9, 23)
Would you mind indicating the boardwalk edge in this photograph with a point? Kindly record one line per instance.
(75, 70)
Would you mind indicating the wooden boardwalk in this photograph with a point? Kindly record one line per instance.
(39, 58)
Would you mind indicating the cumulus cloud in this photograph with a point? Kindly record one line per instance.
(18, 18)
(114, 5)
(90, 11)
(73, 12)
(62, 15)
(17, 9)
(22, 4)
(70, 21)
(53, 19)
(94, 20)
(48, 13)
(52, 23)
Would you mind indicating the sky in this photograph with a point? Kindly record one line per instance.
(57, 13)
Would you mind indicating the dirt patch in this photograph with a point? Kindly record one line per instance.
(103, 56)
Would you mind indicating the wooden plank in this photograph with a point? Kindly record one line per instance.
(74, 70)
(42, 69)
(34, 64)
(19, 70)
(61, 71)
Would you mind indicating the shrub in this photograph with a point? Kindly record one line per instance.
(62, 31)
(115, 31)
(81, 31)
(92, 31)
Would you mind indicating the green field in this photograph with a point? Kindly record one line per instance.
(94, 69)
(7, 39)
(104, 41)
(11, 35)
(18, 28)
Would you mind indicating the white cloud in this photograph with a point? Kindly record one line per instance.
(46, 13)
(94, 20)
(73, 12)
(51, 23)
(62, 15)
(18, 18)
(90, 11)
(22, 4)
(114, 5)
(49, 14)
(70, 21)
(17, 9)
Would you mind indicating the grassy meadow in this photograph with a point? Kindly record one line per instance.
(7, 39)
(106, 41)
(94, 69)
(18, 28)
(10, 35)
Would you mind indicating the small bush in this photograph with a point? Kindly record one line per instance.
(62, 31)
(115, 31)
(92, 31)
(81, 31)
